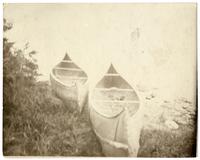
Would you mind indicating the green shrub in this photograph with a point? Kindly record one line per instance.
(35, 122)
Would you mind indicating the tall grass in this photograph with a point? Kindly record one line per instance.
(166, 143)
(43, 125)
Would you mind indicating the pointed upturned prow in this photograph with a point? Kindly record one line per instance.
(111, 69)
(67, 58)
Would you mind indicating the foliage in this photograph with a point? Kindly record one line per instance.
(35, 122)
(19, 73)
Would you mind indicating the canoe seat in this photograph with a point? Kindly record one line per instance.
(115, 94)
(71, 77)
(109, 108)
(68, 69)
(72, 80)
(69, 72)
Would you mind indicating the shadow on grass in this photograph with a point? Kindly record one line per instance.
(165, 143)
(44, 126)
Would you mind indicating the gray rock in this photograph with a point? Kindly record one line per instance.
(171, 124)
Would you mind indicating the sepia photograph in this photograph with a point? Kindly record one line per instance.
(100, 79)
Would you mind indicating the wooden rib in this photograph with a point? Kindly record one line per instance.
(68, 61)
(112, 74)
(68, 69)
(114, 88)
(118, 101)
(71, 77)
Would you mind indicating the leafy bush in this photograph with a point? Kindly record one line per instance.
(34, 121)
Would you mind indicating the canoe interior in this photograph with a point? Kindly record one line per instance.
(113, 109)
(69, 73)
(111, 97)
(113, 81)
(115, 94)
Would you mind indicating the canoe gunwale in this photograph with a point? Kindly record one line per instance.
(53, 76)
(104, 115)
(68, 69)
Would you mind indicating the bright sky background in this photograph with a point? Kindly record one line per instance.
(150, 45)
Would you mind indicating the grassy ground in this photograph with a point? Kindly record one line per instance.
(165, 143)
(46, 127)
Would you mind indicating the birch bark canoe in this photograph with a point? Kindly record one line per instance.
(115, 115)
(70, 83)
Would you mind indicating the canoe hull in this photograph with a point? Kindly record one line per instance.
(111, 150)
(115, 113)
(73, 96)
(118, 137)
(108, 130)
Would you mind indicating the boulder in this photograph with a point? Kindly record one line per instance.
(171, 124)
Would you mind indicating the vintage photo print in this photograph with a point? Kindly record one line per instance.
(100, 79)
